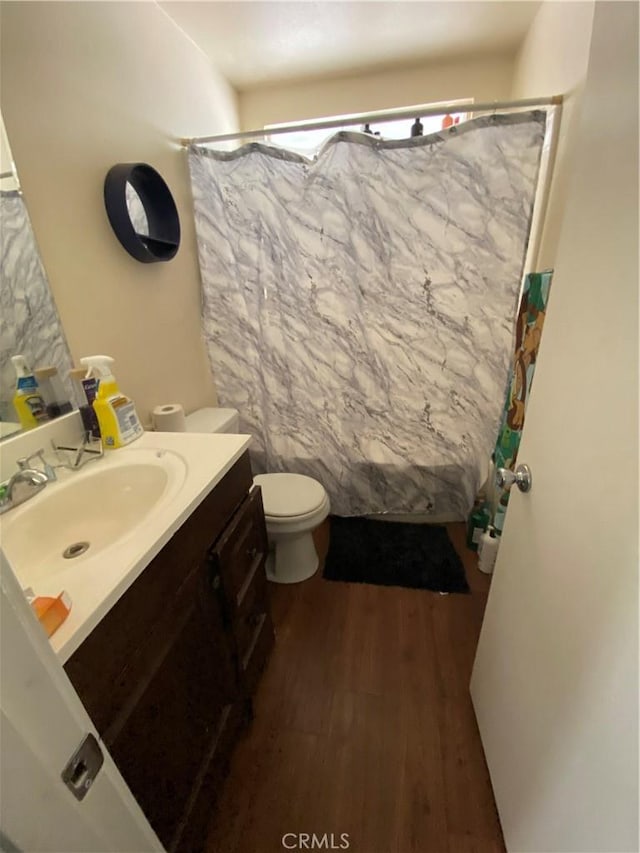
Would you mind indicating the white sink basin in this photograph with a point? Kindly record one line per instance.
(127, 506)
(72, 521)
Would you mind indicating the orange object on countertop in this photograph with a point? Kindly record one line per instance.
(52, 611)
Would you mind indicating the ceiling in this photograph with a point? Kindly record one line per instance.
(260, 43)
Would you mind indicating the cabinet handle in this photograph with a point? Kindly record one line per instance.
(215, 581)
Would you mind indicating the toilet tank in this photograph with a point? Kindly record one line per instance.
(213, 420)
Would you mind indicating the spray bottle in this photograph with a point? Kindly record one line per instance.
(27, 401)
(116, 413)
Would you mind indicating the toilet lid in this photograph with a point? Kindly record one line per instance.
(211, 420)
(285, 495)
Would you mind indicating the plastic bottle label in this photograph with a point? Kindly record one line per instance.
(90, 388)
(477, 535)
(36, 407)
(27, 383)
(128, 422)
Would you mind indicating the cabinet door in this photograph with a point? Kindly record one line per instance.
(166, 747)
(242, 548)
(239, 557)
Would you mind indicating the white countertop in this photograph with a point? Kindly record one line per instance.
(9, 428)
(97, 583)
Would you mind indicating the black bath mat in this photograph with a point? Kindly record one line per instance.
(390, 553)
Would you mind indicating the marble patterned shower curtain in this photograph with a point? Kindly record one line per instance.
(358, 309)
(29, 321)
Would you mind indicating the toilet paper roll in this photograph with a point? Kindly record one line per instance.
(489, 552)
(169, 417)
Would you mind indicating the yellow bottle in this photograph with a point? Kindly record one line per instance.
(27, 401)
(116, 413)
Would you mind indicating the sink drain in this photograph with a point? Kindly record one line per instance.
(75, 550)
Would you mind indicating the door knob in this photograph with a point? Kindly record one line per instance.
(521, 477)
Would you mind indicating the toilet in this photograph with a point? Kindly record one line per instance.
(294, 505)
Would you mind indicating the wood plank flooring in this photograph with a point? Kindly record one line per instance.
(364, 725)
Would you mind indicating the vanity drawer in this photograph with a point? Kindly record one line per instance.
(242, 547)
(255, 658)
(252, 604)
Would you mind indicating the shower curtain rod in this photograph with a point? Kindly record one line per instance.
(367, 118)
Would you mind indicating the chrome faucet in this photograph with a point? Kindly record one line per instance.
(90, 448)
(24, 464)
(26, 482)
(29, 480)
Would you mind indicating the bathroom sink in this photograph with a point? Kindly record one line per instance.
(73, 520)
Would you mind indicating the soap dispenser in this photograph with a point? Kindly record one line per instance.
(116, 413)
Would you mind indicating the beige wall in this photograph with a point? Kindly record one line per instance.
(6, 160)
(110, 82)
(84, 86)
(486, 78)
(553, 60)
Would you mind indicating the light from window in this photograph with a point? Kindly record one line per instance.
(308, 142)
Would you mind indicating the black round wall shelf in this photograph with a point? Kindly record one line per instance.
(154, 202)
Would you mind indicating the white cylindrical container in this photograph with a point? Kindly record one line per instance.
(480, 544)
(169, 418)
(488, 550)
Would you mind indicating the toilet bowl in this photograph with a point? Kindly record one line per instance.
(294, 505)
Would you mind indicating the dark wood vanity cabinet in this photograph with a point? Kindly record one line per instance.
(238, 560)
(167, 676)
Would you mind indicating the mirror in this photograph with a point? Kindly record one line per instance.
(29, 321)
(137, 213)
(142, 212)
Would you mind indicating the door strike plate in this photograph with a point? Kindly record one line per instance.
(83, 767)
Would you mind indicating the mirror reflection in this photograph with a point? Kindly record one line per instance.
(34, 356)
(137, 213)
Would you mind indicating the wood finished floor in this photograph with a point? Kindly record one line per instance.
(363, 723)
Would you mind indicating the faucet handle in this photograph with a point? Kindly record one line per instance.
(24, 461)
(89, 446)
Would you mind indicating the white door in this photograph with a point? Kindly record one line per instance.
(42, 722)
(555, 681)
